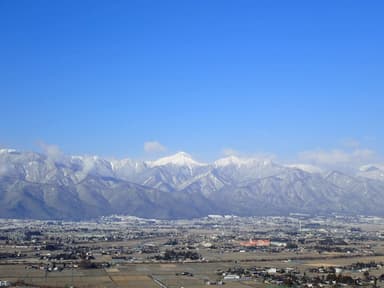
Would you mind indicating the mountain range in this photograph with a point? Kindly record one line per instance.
(39, 186)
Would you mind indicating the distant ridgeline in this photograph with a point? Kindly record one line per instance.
(33, 185)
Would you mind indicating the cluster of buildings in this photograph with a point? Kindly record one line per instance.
(55, 246)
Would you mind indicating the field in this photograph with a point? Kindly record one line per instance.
(133, 254)
(143, 275)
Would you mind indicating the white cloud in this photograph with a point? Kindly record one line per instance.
(351, 143)
(338, 157)
(265, 156)
(261, 156)
(154, 147)
(230, 152)
(53, 152)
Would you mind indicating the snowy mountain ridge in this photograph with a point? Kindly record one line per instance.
(39, 186)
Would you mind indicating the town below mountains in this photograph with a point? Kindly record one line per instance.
(39, 186)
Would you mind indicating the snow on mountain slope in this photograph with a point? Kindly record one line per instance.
(237, 170)
(372, 171)
(35, 185)
(178, 159)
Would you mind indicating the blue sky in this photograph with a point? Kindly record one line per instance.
(105, 77)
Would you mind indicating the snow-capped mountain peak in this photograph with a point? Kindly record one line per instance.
(96, 186)
(178, 159)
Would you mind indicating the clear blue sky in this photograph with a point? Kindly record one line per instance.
(103, 77)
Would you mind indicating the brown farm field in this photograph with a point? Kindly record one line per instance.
(143, 275)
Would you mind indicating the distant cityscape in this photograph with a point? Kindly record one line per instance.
(126, 251)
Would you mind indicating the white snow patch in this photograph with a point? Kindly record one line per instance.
(178, 159)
